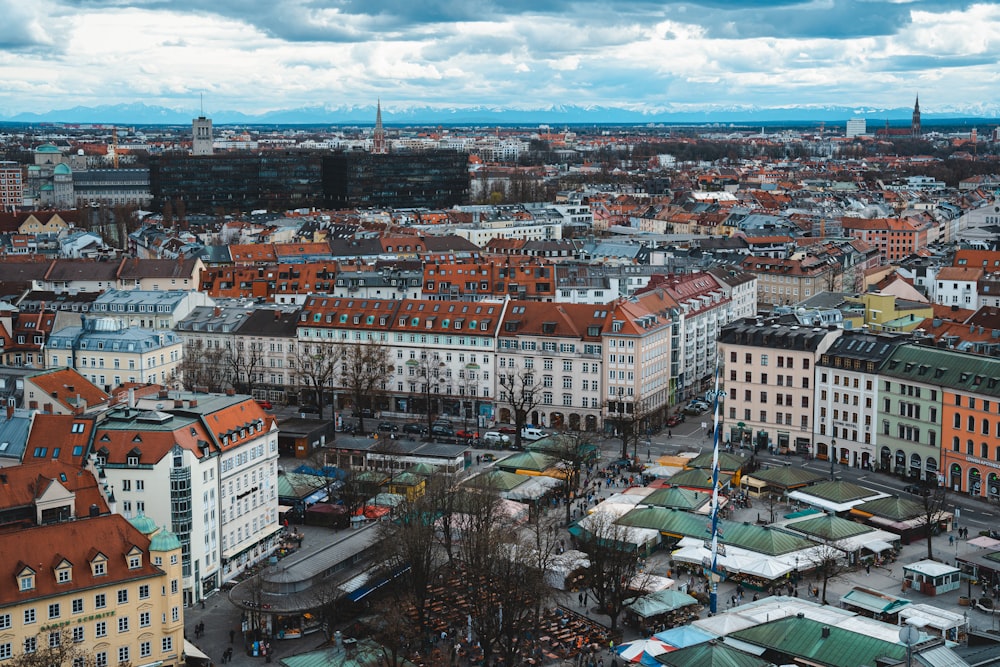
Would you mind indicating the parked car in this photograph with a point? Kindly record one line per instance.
(387, 427)
(488, 458)
(465, 435)
(917, 489)
(443, 430)
(265, 404)
(693, 410)
(442, 422)
(675, 420)
(507, 430)
(418, 429)
(532, 434)
(495, 439)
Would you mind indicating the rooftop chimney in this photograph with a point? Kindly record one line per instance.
(10, 412)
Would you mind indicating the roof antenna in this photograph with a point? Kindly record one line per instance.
(201, 102)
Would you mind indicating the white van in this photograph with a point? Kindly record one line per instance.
(532, 434)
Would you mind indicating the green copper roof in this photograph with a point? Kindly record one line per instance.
(164, 541)
(803, 638)
(947, 368)
(698, 478)
(143, 524)
(787, 477)
(674, 496)
(893, 507)
(711, 654)
(761, 539)
(728, 462)
(499, 480)
(527, 461)
(830, 527)
(838, 491)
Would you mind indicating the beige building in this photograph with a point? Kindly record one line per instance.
(108, 353)
(769, 382)
(637, 348)
(99, 588)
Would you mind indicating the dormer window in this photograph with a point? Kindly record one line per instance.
(26, 580)
(99, 566)
(135, 560)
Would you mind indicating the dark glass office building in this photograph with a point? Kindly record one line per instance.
(432, 179)
(271, 180)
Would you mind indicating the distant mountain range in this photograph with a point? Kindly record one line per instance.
(142, 114)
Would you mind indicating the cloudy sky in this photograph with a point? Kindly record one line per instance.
(259, 55)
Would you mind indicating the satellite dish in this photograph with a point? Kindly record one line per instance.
(909, 635)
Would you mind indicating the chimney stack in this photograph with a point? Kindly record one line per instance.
(10, 412)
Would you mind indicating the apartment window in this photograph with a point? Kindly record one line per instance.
(54, 639)
(78, 634)
(101, 659)
(143, 591)
(30, 645)
(29, 616)
(144, 619)
(54, 610)
(763, 416)
(123, 624)
(167, 644)
(123, 596)
(5, 651)
(4, 621)
(145, 649)
(100, 601)
(123, 654)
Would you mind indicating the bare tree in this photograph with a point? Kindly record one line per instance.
(243, 364)
(54, 648)
(365, 368)
(829, 561)
(573, 451)
(430, 374)
(316, 368)
(519, 390)
(410, 543)
(503, 583)
(628, 418)
(615, 568)
(202, 366)
(932, 508)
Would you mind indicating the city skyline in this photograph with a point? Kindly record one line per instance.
(638, 56)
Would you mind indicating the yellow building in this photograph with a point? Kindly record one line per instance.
(885, 312)
(93, 591)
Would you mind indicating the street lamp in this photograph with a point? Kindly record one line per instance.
(833, 448)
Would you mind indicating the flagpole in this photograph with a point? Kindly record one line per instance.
(713, 600)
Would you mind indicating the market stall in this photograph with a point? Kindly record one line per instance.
(663, 608)
(931, 577)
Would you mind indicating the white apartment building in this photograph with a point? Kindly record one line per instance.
(147, 309)
(204, 465)
(559, 346)
(847, 398)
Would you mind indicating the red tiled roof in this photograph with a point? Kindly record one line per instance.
(54, 437)
(21, 485)
(66, 385)
(76, 542)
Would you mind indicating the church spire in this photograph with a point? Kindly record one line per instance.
(915, 123)
(378, 137)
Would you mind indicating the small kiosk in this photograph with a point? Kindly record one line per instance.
(931, 577)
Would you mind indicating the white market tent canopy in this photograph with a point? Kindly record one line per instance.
(641, 537)
(803, 496)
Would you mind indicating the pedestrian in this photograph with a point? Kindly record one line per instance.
(579, 598)
(951, 538)
(868, 569)
(586, 597)
(232, 636)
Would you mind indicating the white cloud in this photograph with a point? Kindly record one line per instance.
(288, 54)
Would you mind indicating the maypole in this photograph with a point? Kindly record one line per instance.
(713, 574)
